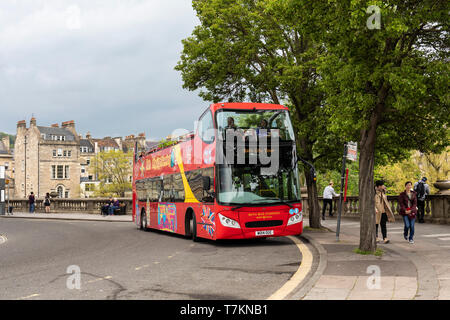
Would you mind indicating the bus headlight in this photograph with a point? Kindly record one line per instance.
(227, 222)
(295, 219)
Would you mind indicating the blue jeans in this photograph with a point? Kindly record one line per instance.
(32, 206)
(111, 209)
(409, 226)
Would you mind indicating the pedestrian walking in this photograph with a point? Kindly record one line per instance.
(47, 203)
(328, 194)
(382, 210)
(422, 189)
(408, 209)
(32, 202)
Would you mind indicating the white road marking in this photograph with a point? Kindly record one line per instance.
(141, 267)
(436, 235)
(395, 232)
(30, 296)
(444, 239)
(99, 279)
(3, 239)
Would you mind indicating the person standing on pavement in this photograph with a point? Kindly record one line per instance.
(115, 205)
(382, 210)
(32, 202)
(47, 203)
(328, 194)
(422, 189)
(408, 209)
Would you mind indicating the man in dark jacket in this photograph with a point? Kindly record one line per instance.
(422, 189)
(31, 202)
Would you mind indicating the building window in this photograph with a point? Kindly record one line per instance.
(66, 194)
(59, 172)
(90, 178)
(54, 153)
(83, 170)
(65, 153)
(88, 161)
(60, 153)
(66, 172)
(60, 191)
(53, 172)
(69, 153)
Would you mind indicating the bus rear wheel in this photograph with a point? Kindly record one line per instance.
(143, 221)
(194, 229)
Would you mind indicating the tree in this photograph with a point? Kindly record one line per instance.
(253, 49)
(386, 88)
(114, 169)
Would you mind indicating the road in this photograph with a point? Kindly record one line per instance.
(117, 261)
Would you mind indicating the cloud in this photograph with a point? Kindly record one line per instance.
(108, 65)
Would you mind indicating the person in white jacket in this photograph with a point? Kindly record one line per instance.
(328, 194)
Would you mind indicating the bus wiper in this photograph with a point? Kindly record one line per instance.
(279, 201)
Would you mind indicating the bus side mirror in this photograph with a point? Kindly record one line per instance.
(206, 183)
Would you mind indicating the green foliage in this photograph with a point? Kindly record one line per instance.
(166, 143)
(114, 169)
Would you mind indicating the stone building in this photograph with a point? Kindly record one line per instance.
(47, 160)
(7, 161)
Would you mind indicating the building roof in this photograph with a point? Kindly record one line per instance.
(106, 142)
(86, 143)
(57, 132)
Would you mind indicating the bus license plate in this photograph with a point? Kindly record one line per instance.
(264, 233)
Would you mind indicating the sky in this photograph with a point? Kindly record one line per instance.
(106, 64)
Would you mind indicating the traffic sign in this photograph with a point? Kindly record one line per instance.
(352, 151)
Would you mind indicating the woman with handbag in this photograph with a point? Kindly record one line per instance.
(408, 209)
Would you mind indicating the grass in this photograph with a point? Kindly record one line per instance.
(379, 252)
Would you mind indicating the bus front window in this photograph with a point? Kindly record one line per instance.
(246, 186)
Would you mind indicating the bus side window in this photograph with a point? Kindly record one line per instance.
(208, 194)
(168, 189)
(178, 187)
(196, 183)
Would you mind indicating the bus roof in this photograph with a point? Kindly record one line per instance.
(246, 106)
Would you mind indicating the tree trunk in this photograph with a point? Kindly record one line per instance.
(313, 200)
(311, 185)
(367, 240)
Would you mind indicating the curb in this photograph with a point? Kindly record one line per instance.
(315, 275)
(64, 218)
(3, 239)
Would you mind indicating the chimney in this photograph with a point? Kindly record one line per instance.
(33, 122)
(70, 125)
(88, 135)
(142, 135)
(55, 125)
(22, 124)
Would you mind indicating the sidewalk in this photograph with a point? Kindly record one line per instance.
(405, 271)
(70, 216)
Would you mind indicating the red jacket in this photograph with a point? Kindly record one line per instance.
(403, 204)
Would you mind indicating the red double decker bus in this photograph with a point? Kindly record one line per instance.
(203, 186)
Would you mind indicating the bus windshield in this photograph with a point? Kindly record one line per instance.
(250, 120)
(247, 186)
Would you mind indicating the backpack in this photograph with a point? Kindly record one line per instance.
(420, 189)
